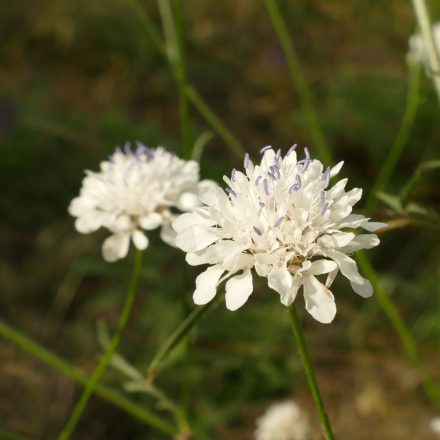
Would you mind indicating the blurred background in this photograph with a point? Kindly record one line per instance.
(78, 78)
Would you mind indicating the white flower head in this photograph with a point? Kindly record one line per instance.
(282, 219)
(135, 191)
(435, 425)
(283, 421)
(417, 51)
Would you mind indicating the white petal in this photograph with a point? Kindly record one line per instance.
(168, 235)
(115, 247)
(347, 266)
(320, 302)
(364, 289)
(238, 290)
(140, 240)
(206, 285)
(195, 238)
(336, 189)
(196, 258)
(361, 241)
(280, 280)
(289, 296)
(337, 240)
(150, 222)
(322, 266)
(88, 223)
(187, 220)
(188, 201)
(373, 226)
(335, 170)
(331, 277)
(435, 425)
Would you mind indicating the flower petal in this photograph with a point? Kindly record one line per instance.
(373, 226)
(187, 220)
(140, 240)
(115, 247)
(361, 241)
(335, 170)
(151, 221)
(280, 280)
(206, 284)
(168, 235)
(188, 201)
(322, 266)
(320, 302)
(364, 289)
(347, 266)
(195, 238)
(289, 296)
(238, 290)
(337, 240)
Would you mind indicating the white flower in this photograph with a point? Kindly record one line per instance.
(135, 191)
(435, 425)
(281, 218)
(283, 421)
(417, 52)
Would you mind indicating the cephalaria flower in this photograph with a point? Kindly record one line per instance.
(136, 191)
(283, 421)
(283, 219)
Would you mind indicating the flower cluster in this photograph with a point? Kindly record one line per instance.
(282, 218)
(417, 51)
(136, 191)
(283, 421)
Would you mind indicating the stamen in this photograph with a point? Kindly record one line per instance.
(233, 174)
(326, 177)
(127, 149)
(322, 199)
(297, 185)
(324, 208)
(264, 149)
(292, 148)
(257, 180)
(246, 160)
(258, 231)
(266, 187)
(277, 172)
(271, 176)
(307, 153)
(278, 222)
(278, 155)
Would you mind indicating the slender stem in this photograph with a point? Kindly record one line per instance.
(173, 340)
(308, 369)
(196, 99)
(108, 354)
(412, 103)
(298, 80)
(407, 340)
(433, 57)
(59, 364)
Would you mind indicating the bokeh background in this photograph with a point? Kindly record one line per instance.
(78, 78)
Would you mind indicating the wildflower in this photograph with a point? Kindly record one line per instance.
(283, 219)
(283, 421)
(417, 52)
(435, 425)
(135, 191)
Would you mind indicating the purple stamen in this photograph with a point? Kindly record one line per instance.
(266, 187)
(326, 177)
(233, 174)
(264, 149)
(127, 149)
(277, 172)
(278, 155)
(292, 148)
(258, 231)
(278, 222)
(296, 186)
(307, 153)
(322, 199)
(231, 191)
(257, 180)
(246, 160)
(272, 176)
(324, 208)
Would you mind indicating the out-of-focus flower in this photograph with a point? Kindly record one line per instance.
(283, 421)
(417, 52)
(282, 218)
(435, 425)
(136, 191)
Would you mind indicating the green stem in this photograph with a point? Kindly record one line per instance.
(59, 364)
(298, 80)
(173, 340)
(407, 340)
(108, 354)
(308, 369)
(433, 57)
(196, 99)
(174, 37)
(412, 103)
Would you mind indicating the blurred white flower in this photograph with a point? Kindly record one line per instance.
(417, 52)
(435, 425)
(281, 218)
(283, 421)
(135, 191)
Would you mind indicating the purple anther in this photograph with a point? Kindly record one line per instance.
(322, 199)
(118, 150)
(278, 222)
(292, 148)
(307, 153)
(326, 177)
(257, 180)
(296, 186)
(298, 181)
(278, 155)
(277, 172)
(264, 149)
(231, 191)
(246, 160)
(233, 174)
(262, 204)
(266, 187)
(127, 149)
(324, 208)
(272, 176)
(258, 231)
